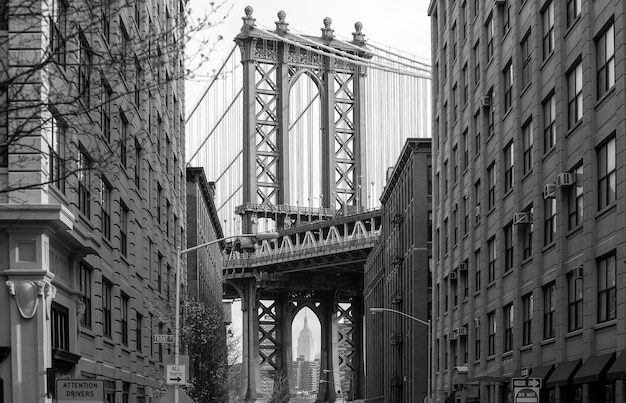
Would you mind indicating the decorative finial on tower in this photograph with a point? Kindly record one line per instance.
(358, 37)
(248, 21)
(281, 25)
(327, 32)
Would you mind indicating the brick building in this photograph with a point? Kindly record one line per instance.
(397, 277)
(529, 199)
(92, 194)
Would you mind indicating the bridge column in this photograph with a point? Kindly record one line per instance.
(286, 352)
(329, 365)
(252, 375)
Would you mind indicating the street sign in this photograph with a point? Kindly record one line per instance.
(526, 390)
(80, 390)
(163, 338)
(175, 375)
(527, 382)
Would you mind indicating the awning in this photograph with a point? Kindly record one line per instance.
(542, 372)
(563, 373)
(594, 368)
(450, 398)
(618, 369)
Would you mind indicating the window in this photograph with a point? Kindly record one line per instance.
(455, 233)
(124, 318)
(575, 95)
(606, 288)
(549, 123)
(445, 235)
(124, 140)
(59, 327)
(84, 72)
(508, 86)
(476, 63)
(124, 218)
(124, 53)
(508, 327)
(138, 331)
(527, 140)
(527, 235)
(549, 216)
(491, 115)
(508, 247)
(606, 173)
(444, 55)
(137, 163)
(547, 16)
(509, 172)
(159, 278)
(506, 19)
(491, 250)
(84, 183)
(477, 271)
(454, 41)
(575, 199)
(105, 110)
(465, 149)
(465, 19)
(605, 55)
(549, 310)
(159, 202)
(151, 335)
(466, 221)
(58, 31)
(58, 154)
(491, 342)
(491, 182)
(138, 77)
(465, 83)
(107, 298)
(477, 341)
(105, 208)
(455, 108)
(168, 208)
(574, 300)
(106, 19)
(527, 61)
(160, 352)
(573, 11)
(477, 137)
(477, 194)
(490, 27)
(85, 297)
(455, 162)
(125, 392)
(527, 318)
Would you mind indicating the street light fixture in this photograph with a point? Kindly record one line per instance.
(179, 253)
(423, 322)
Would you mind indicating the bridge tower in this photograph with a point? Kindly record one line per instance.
(280, 193)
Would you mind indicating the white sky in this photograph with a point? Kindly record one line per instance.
(400, 24)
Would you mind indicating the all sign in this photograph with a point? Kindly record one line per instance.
(175, 374)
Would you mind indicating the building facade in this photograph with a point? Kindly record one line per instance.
(204, 266)
(397, 277)
(92, 194)
(530, 198)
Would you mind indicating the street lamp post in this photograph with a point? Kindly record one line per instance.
(179, 253)
(423, 322)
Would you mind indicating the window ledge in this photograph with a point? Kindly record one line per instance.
(549, 246)
(545, 342)
(549, 152)
(574, 333)
(574, 128)
(609, 208)
(573, 24)
(604, 325)
(609, 94)
(574, 231)
(547, 59)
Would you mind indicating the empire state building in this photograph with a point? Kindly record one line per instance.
(305, 341)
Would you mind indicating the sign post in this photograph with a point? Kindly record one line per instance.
(175, 375)
(80, 390)
(526, 390)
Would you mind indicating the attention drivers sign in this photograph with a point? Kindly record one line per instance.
(80, 390)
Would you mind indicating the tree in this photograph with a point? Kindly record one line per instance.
(280, 392)
(204, 336)
(79, 77)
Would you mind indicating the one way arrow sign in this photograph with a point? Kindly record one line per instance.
(175, 374)
(527, 382)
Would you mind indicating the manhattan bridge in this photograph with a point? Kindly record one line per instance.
(297, 132)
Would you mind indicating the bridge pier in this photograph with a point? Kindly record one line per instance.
(329, 362)
(250, 334)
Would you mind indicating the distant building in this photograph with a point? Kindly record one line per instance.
(529, 161)
(306, 342)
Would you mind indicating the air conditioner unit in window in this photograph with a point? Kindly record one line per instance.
(549, 191)
(520, 218)
(477, 322)
(451, 336)
(453, 275)
(578, 273)
(461, 331)
(485, 101)
(477, 211)
(463, 267)
(565, 179)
